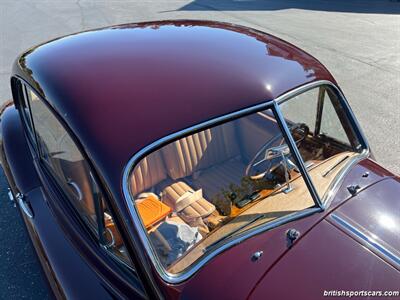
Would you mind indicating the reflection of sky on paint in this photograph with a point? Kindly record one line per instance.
(387, 221)
(99, 75)
(169, 43)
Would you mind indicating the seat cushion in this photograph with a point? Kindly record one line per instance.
(219, 178)
(201, 208)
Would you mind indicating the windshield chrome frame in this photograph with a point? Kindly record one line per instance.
(274, 106)
(326, 199)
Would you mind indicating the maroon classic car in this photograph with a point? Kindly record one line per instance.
(195, 160)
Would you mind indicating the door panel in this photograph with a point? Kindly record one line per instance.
(69, 275)
(69, 271)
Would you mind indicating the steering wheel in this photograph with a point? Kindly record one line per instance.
(261, 164)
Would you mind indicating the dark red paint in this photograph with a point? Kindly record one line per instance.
(326, 259)
(110, 85)
(241, 277)
(119, 89)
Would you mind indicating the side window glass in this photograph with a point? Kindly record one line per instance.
(112, 238)
(60, 154)
(72, 172)
(302, 109)
(23, 102)
(330, 123)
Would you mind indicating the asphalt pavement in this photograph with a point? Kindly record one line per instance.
(20, 274)
(358, 41)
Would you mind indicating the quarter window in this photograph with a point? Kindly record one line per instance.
(302, 109)
(330, 122)
(59, 154)
(24, 108)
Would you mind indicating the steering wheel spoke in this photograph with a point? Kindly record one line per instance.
(269, 152)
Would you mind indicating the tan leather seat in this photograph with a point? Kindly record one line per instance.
(151, 172)
(210, 159)
(199, 209)
(148, 173)
(200, 151)
(220, 177)
(207, 160)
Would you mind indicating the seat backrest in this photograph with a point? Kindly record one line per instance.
(149, 172)
(200, 151)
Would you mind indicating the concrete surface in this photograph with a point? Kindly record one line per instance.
(359, 42)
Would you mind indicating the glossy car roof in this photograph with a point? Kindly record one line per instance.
(121, 88)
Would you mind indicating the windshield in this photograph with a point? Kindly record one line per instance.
(195, 192)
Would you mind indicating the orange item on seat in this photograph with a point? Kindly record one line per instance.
(152, 210)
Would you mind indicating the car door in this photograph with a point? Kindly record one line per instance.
(66, 211)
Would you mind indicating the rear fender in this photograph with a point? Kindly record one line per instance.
(15, 154)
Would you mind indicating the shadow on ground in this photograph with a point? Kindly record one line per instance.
(347, 6)
(20, 277)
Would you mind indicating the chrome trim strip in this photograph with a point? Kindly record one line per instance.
(177, 278)
(342, 99)
(337, 181)
(10, 195)
(372, 242)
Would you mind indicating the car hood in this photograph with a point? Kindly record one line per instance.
(324, 252)
(373, 218)
(356, 247)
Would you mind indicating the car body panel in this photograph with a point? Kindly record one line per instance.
(68, 272)
(16, 150)
(364, 174)
(201, 70)
(375, 215)
(147, 81)
(324, 260)
(242, 273)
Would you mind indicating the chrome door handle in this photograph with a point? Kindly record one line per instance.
(24, 205)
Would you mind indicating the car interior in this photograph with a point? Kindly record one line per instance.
(200, 189)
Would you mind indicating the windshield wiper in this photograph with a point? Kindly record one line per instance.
(334, 166)
(210, 247)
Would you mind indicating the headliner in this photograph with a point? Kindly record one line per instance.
(121, 88)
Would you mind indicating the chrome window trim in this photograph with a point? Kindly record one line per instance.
(337, 181)
(297, 156)
(342, 99)
(270, 104)
(327, 198)
(378, 247)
